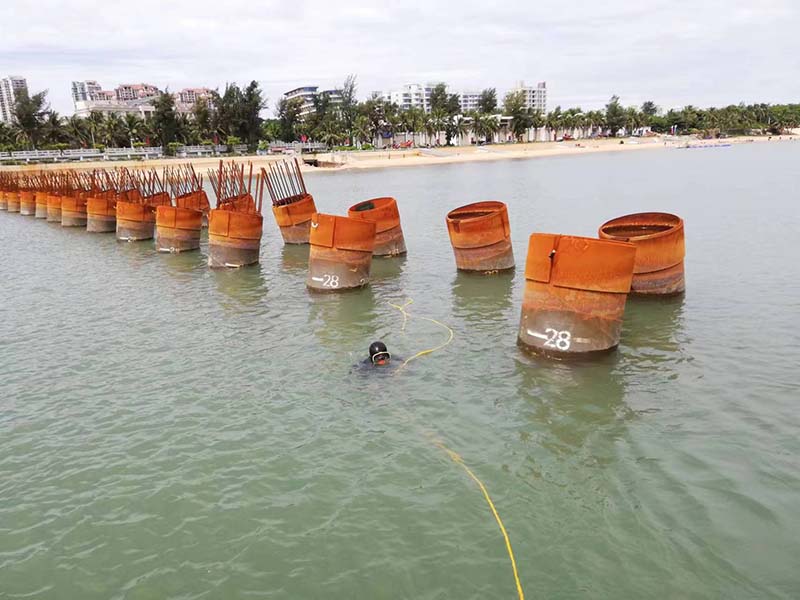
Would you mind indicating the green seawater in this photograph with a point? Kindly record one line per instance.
(172, 432)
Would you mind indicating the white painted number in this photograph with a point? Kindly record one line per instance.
(560, 340)
(331, 281)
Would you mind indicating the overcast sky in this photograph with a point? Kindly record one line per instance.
(675, 52)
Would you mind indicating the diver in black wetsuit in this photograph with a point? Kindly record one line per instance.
(378, 355)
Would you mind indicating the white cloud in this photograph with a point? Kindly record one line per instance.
(702, 52)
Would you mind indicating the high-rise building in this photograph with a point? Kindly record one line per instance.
(9, 88)
(192, 95)
(84, 90)
(535, 97)
(469, 101)
(411, 95)
(308, 94)
(136, 91)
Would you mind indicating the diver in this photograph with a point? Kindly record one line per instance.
(378, 355)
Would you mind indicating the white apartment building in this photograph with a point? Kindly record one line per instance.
(535, 97)
(84, 90)
(9, 87)
(307, 94)
(411, 95)
(469, 101)
(136, 91)
(192, 95)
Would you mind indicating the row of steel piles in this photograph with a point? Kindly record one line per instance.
(341, 247)
(576, 288)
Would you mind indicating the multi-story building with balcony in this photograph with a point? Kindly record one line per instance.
(9, 88)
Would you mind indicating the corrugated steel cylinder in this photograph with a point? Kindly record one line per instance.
(101, 213)
(575, 294)
(54, 208)
(12, 201)
(294, 219)
(481, 237)
(383, 212)
(234, 234)
(41, 205)
(340, 256)
(73, 210)
(660, 250)
(27, 203)
(178, 229)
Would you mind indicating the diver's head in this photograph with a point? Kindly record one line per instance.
(378, 353)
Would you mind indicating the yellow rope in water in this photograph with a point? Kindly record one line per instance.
(402, 309)
(454, 456)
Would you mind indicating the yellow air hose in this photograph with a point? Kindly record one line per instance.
(454, 456)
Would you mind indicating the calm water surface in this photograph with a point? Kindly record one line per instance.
(171, 432)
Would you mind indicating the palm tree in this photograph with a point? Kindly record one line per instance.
(75, 131)
(553, 121)
(94, 124)
(134, 127)
(113, 130)
(361, 129)
(537, 122)
(52, 130)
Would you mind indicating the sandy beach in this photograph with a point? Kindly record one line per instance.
(337, 161)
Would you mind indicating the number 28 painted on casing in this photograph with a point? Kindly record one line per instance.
(560, 340)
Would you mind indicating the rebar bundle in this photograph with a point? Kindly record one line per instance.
(230, 184)
(284, 181)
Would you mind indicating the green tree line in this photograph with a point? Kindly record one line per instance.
(234, 116)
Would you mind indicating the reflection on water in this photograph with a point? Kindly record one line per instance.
(343, 320)
(479, 297)
(654, 324)
(184, 266)
(387, 267)
(245, 286)
(294, 258)
(572, 403)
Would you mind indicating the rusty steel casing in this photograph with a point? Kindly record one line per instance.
(178, 229)
(3, 200)
(294, 219)
(660, 250)
(12, 201)
(389, 240)
(480, 234)
(340, 257)
(101, 214)
(197, 200)
(27, 203)
(234, 238)
(53, 208)
(575, 294)
(135, 222)
(41, 205)
(73, 211)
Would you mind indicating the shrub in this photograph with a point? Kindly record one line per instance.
(138, 144)
(233, 140)
(172, 148)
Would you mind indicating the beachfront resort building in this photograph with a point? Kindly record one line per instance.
(308, 95)
(469, 101)
(9, 88)
(129, 99)
(411, 95)
(535, 97)
(84, 90)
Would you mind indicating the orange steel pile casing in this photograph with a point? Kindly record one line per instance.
(27, 203)
(73, 210)
(389, 240)
(41, 204)
(101, 212)
(660, 250)
(294, 219)
(3, 201)
(53, 208)
(575, 294)
(481, 237)
(340, 256)
(234, 234)
(136, 220)
(12, 201)
(178, 227)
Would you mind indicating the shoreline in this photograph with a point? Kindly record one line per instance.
(381, 159)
